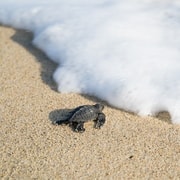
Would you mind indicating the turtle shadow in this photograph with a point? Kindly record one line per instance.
(24, 38)
(164, 116)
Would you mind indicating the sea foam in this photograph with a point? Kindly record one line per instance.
(126, 52)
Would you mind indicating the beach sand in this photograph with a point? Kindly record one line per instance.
(31, 147)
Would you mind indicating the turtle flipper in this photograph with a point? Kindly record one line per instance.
(61, 116)
(78, 126)
(100, 120)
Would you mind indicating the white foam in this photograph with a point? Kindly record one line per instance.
(126, 52)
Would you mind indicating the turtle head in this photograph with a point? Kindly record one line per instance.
(100, 107)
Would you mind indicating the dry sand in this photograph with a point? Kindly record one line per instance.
(127, 147)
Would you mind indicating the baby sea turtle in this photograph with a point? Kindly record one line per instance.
(78, 116)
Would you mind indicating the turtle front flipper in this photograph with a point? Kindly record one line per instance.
(100, 120)
(78, 126)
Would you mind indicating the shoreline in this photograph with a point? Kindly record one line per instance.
(127, 146)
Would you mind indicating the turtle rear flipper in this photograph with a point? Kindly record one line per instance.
(61, 116)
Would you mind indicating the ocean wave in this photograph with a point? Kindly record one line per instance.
(124, 52)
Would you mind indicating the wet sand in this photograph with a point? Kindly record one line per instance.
(31, 147)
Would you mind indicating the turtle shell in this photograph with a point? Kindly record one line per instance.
(84, 113)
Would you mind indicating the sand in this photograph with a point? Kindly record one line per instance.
(31, 147)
